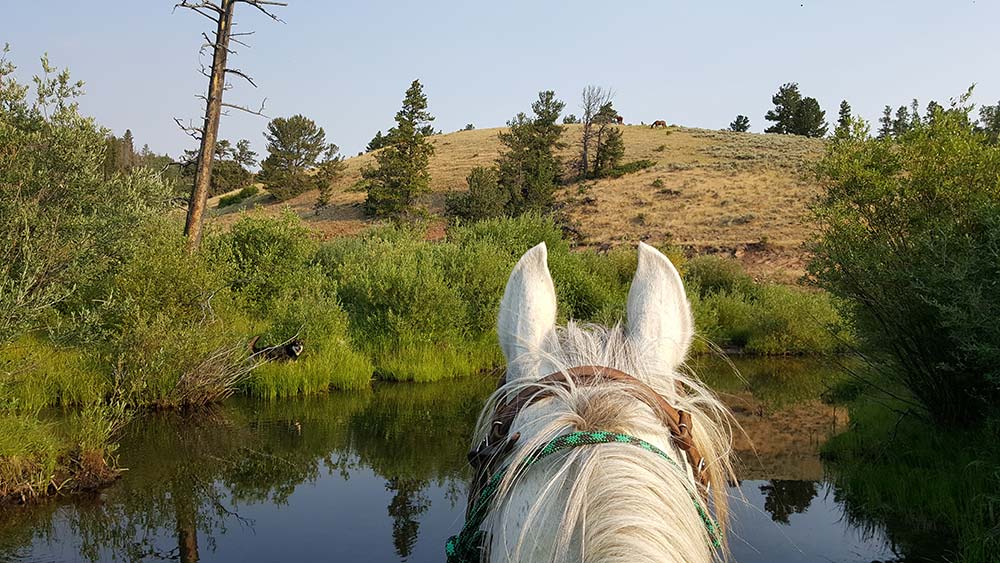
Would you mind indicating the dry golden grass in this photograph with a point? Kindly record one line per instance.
(709, 191)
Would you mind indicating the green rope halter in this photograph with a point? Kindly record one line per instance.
(467, 546)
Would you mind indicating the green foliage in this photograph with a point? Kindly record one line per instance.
(232, 199)
(989, 122)
(57, 243)
(630, 168)
(401, 172)
(35, 372)
(608, 153)
(268, 258)
(485, 198)
(911, 232)
(795, 115)
(526, 174)
(230, 167)
(378, 141)
(844, 119)
(297, 147)
(571, 119)
(529, 168)
(741, 124)
(714, 274)
(909, 476)
(169, 331)
(468, 127)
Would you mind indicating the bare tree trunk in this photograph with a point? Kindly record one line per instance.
(591, 101)
(210, 130)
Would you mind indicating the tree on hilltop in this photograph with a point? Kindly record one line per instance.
(794, 115)
(843, 119)
(741, 124)
(401, 171)
(297, 149)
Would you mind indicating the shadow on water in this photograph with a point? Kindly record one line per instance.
(380, 476)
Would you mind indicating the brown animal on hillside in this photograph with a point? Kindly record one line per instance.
(658, 123)
(619, 119)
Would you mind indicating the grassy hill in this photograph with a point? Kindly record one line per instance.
(743, 194)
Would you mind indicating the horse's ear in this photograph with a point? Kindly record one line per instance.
(527, 314)
(660, 325)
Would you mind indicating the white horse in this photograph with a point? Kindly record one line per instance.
(606, 501)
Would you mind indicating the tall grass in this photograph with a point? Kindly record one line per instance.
(914, 479)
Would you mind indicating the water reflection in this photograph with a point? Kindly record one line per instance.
(380, 476)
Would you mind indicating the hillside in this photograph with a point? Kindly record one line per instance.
(744, 194)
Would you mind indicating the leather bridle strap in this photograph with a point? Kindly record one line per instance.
(677, 421)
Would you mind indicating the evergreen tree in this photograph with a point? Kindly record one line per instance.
(901, 124)
(468, 127)
(609, 152)
(529, 169)
(401, 174)
(809, 120)
(609, 148)
(989, 122)
(295, 146)
(843, 119)
(741, 124)
(932, 109)
(377, 142)
(427, 130)
(915, 120)
(885, 123)
(571, 119)
(126, 160)
(786, 102)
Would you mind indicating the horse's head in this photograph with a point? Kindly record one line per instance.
(654, 437)
(659, 329)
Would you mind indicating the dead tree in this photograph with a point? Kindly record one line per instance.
(591, 102)
(220, 12)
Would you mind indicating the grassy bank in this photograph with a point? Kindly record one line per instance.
(914, 480)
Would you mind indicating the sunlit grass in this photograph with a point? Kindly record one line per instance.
(332, 367)
(435, 362)
(35, 373)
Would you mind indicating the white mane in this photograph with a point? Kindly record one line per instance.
(606, 502)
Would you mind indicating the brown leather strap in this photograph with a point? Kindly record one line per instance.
(498, 443)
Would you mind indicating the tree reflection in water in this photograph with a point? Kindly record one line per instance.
(783, 498)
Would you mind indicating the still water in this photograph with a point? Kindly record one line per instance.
(380, 476)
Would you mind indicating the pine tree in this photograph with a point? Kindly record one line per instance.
(989, 122)
(296, 145)
(901, 124)
(529, 169)
(571, 119)
(609, 153)
(885, 123)
(126, 160)
(915, 120)
(741, 124)
(377, 142)
(809, 119)
(932, 109)
(401, 174)
(843, 119)
(786, 102)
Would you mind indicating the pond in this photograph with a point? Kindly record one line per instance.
(380, 476)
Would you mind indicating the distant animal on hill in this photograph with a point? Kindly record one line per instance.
(291, 350)
(658, 123)
(619, 119)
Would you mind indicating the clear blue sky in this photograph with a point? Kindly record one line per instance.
(346, 64)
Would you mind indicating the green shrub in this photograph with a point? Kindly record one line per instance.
(911, 242)
(792, 321)
(232, 199)
(63, 225)
(227, 176)
(630, 168)
(715, 274)
(485, 199)
(267, 257)
(515, 235)
(170, 330)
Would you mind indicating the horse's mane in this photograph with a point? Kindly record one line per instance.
(609, 502)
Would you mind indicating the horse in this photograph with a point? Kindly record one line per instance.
(658, 123)
(619, 119)
(595, 446)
